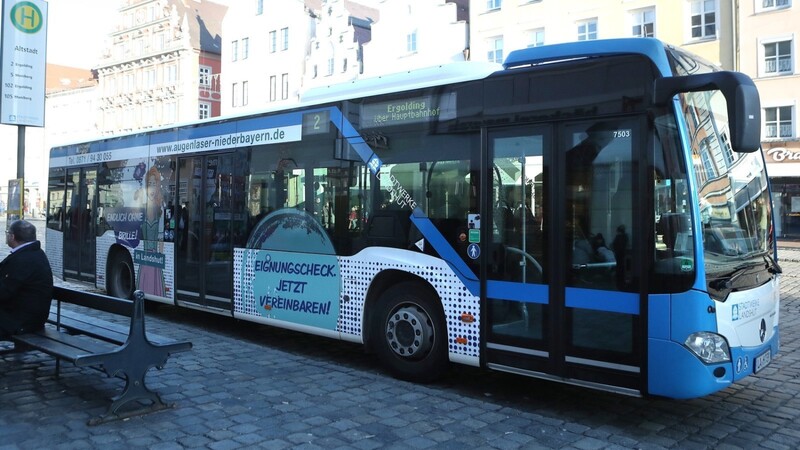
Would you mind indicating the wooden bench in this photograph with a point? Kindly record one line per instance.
(124, 351)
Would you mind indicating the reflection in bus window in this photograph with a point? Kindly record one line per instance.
(673, 270)
(735, 209)
(599, 220)
(518, 215)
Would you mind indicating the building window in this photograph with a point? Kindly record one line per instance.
(158, 41)
(330, 66)
(150, 78)
(111, 86)
(204, 110)
(495, 52)
(273, 81)
(234, 50)
(778, 58)
(727, 151)
(127, 119)
(148, 116)
(536, 38)
(411, 42)
(234, 95)
(769, 5)
(778, 122)
(587, 30)
(643, 22)
(703, 19)
(205, 76)
(493, 4)
(139, 46)
(273, 41)
(245, 93)
(170, 112)
(708, 163)
(170, 74)
(130, 82)
(245, 48)
(284, 39)
(259, 7)
(285, 86)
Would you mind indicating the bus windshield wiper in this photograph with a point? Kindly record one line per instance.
(772, 266)
(725, 282)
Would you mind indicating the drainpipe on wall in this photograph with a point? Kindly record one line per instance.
(735, 34)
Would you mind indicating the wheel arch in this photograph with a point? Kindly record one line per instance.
(380, 283)
(118, 251)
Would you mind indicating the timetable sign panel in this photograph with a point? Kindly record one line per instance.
(24, 47)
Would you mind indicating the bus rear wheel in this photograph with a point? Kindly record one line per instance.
(120, 279)
(410, 333)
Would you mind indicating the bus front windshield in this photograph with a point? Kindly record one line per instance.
(733, 194)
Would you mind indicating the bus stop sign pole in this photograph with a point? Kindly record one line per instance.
(23, 62)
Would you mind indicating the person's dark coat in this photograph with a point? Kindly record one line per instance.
(26, 288)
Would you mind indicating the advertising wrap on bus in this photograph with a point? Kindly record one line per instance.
(301, 288)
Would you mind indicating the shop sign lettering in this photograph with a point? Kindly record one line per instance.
(782, 154)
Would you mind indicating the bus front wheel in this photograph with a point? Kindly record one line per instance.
(120, 279)
(410, 333)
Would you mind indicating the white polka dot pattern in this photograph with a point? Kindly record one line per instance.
(461, 308)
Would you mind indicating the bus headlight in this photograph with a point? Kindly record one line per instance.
(710, 347)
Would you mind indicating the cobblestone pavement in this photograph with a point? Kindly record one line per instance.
(246, 385)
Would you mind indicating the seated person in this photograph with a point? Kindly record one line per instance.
(601, 251)
(26, 282)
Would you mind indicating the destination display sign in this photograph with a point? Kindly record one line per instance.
(408, 110)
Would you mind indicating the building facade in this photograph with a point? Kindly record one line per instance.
(162, 65)
(336, 51)
(266, 43)
(703, 27)
(769, 46)
(275, 49)
(415, 34)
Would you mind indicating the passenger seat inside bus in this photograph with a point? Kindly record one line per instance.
(389, 228)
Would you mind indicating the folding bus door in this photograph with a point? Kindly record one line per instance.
(517, 261)
(207, 222)
(79, 224)
(562, 300)
(601, 307)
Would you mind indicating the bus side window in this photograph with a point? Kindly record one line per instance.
(672, 269)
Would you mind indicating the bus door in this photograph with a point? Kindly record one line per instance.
(79, 224)
(204, 231)
(562, 300)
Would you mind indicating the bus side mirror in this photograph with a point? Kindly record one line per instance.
(741, 95)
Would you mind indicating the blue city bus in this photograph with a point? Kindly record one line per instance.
(596, 213)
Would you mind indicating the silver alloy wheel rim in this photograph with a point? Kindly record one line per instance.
(409, 331)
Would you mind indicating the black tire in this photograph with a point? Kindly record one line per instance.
(409, 332)
(120, 280)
